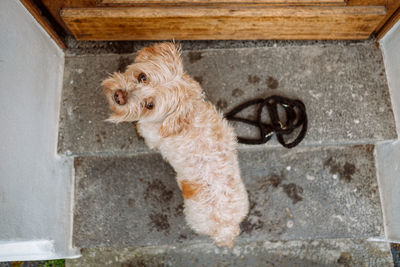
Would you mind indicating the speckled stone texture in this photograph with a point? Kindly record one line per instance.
(124, 47)
(328, 253)
(342, 85)
(304, 193)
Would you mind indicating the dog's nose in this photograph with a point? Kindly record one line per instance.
(120, 97)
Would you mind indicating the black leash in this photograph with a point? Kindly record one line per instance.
(295, 117)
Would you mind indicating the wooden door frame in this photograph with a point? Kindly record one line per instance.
(47, 13)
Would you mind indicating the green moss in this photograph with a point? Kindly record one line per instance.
(52, 263)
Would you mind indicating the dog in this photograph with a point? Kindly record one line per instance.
(172, 115)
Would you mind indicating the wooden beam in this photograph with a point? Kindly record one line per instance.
(35, 12)
(218, 2)
(200, 23)
(55, 6)
(391, 6)
(389, 24)
(367, 2)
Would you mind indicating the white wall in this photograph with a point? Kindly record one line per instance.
(35, 184)
(390, 45)
(388, 154)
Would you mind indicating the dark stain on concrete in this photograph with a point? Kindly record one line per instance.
(199, 79)
(253, 79)
(345, 172)
(237, 92)
(252, 208)
(182, 237)
(334, 168)
(253, 220)
(272, 83)
(345, 259)
(160, 222)
(101, 137)
(248, 226)
(293, 191)
(272, 180)
(136, 263)
(157, 191)
(368, 148)
(348, 170)
(277, 226)
(179, 210)
(194, 56)
(130, 142)
(123, 62)
(78, 162)
(131, 202)
(222, 104)
(275, 180)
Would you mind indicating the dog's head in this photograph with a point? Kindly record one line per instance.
(154, 89)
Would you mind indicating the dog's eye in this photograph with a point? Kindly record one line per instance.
(150, 105)
(142, 77)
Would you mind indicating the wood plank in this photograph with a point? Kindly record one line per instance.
(367, 2)
(55, 6)
(217, 2)
(35, 12)
(391, 6)
(188, 23)
(390, 23)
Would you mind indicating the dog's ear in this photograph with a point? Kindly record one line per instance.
(175, 123)
(169, 53)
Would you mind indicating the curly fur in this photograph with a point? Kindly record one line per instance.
(190, 134)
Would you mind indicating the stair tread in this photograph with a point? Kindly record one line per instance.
(224, 22)
(342, 85)
(303, 193)
(334, 252)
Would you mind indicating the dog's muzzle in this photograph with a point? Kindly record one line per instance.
(120, 97)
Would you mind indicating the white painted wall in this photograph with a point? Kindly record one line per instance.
(388, 154)
(35, 184)
(390, 45)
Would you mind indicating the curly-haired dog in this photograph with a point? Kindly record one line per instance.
(190, 133)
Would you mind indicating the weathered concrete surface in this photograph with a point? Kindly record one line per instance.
(76, 47)
(343, 87)
(335, 252)
(303, 193)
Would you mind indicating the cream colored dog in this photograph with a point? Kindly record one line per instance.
(190, 133)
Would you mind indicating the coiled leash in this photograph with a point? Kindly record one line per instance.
(295, 117)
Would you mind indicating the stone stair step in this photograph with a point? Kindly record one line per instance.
(298, 194)
(299, 253)
(343, 86)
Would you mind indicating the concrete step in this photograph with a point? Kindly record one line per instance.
(299, 194)
(126, 195)
(334, 252)
(342, 85)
